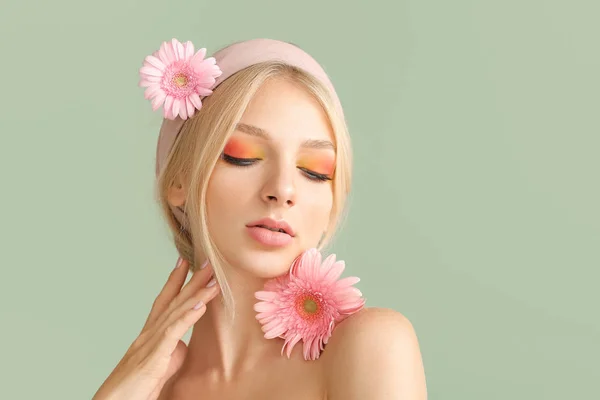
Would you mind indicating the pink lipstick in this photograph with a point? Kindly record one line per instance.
(271, 232)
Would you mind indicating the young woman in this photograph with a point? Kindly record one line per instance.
(253, 170)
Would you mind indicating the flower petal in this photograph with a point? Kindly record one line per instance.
(202, 68)
(276, 331)
(195, 100)
(179, 50)
(264, 306)
(163, 55)
(152, 91)
(183, 109)
(207, 82)
(203, 91)
(147, 82)
(198, 57)
(189, 50)
(309, 348)
(151, 78)
(168, 106)
(349, 281)
(310, 257)
(267, 316)
(325, 266)
(170, 52)
(291, 343)
(155, 62)
(265, 295)
(158, 100)
(190, 107)
(176, 107)
(272, 325)
(335, 271)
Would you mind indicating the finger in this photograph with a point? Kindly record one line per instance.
(166, 337)
(169, 291)
(198, 280)
(203, 293)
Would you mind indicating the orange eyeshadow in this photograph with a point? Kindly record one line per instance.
(240, 148)
(320, 164)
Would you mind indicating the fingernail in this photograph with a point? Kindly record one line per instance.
(204, 264)
(178, 262)
(212, 282)
(199, 305)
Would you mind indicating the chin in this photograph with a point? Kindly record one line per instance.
(259, 260)
(267, 263)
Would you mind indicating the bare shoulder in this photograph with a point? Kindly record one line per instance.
(370, 329)
(374, 354)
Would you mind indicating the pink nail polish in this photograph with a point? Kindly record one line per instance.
(199, 305)
(179, 260)
(204, 264)
(212, 282)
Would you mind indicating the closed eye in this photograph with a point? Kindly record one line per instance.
(242, 162)
(246, 162)
(314, 175)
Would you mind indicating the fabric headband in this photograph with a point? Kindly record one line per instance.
(178, 79)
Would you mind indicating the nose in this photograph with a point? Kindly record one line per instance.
(280, 188)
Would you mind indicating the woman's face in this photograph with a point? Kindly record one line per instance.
(278, 164)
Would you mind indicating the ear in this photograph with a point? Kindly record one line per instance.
(177, 194)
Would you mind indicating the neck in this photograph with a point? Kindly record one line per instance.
(223, 348)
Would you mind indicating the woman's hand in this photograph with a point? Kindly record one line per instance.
(158, 352)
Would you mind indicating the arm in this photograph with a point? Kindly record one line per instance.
(374, 354)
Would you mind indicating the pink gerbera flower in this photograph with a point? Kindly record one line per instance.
(306, 303)
(176, 77)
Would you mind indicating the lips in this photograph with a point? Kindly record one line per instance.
(273, 225)
(271, 229)
(269, 238)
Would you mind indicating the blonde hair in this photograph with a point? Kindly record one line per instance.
(201, 141)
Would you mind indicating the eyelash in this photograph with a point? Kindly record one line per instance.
(246, 162)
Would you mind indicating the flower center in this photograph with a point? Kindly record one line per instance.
(180, 80)
(310, 306)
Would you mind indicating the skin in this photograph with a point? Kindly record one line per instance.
(373, 354)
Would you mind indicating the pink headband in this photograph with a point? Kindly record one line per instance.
(228, 60)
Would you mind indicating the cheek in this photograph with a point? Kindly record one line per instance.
(318, 205)
(228, 194)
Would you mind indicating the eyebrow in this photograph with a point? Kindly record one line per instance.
(259, 132)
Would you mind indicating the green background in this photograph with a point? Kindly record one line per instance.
(475, 206)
